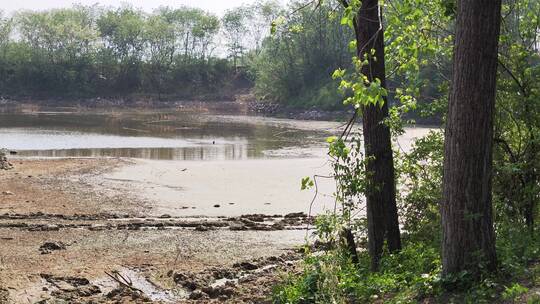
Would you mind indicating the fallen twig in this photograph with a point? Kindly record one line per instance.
(122, 281)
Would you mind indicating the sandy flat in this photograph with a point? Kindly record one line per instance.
(192, 188)
(267, 186)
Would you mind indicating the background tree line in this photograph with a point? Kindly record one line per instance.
(90, 51)
(93, 51)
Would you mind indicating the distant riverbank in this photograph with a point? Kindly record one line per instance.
(242, 104)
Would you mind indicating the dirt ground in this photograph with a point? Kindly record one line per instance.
(68, 236)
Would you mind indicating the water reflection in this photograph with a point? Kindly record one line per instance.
(150, 135)
(226, 152)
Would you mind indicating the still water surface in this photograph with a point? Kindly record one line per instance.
(171, 135)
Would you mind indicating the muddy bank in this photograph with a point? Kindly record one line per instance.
(102, 222)
(66, 239)
(200, 106)
(168, 266)
(240, 104)
(273, 109)
(234, 105)
(62, 186)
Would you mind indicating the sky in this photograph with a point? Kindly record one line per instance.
(215, 6)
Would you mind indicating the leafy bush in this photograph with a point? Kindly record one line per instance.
(420, 176)
(513, 292)
(331, 277)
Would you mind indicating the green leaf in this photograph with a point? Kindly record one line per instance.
(307, 183)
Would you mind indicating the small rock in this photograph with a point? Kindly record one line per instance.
(238, 227)
(295, 215)
(165, 216)
(278, 226)
(201, 228)
(196, 295)
(119, 295)
(246, 279)
(217, 206)
(7, 193)
(51, 227)
(230, 284)
(185, 280)
(87, 291)
(275, 259)
(223, 273)
(77, 281)
(255, 217)
(245, 266)
(97, 227)
(248, 222)
(221, 292)
(49, 247)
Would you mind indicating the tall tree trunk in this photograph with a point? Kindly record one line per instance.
(381, 197)
(468, 235)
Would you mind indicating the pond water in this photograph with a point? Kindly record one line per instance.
(167, 135)
(188, 161)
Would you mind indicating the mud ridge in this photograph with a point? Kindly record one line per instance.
(54, 222)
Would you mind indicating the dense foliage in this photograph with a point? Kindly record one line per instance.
(419, 49)
(95, 51)
(296, 62)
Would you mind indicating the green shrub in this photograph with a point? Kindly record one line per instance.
(513, 292)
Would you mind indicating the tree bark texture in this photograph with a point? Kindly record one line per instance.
(466, 208)
(381, 198)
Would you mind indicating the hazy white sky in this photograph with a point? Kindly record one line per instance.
(215, 6)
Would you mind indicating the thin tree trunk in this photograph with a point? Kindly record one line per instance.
(381, 197)
(468, 235)
(347, 239)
